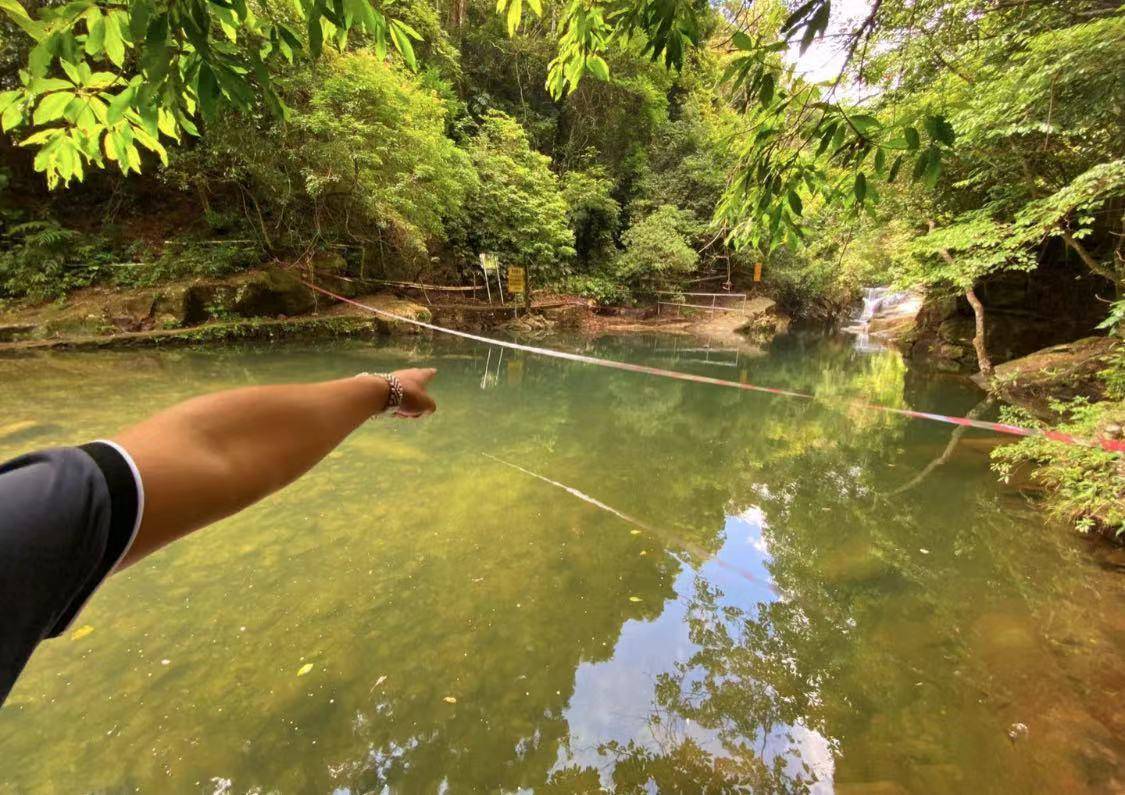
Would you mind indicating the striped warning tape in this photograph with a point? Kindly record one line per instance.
(1112, 445)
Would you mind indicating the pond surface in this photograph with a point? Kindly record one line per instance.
(778, 616)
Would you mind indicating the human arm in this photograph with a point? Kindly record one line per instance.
(212, 456)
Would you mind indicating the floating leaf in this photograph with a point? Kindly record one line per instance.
(635, 599)
(449, 700)
(304, 669)
(81, 632)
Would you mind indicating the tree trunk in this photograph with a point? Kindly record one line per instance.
(979, 338)
(979, 345)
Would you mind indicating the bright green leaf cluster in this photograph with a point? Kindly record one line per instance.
(105, 80)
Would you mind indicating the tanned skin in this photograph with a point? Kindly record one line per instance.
(211, 456)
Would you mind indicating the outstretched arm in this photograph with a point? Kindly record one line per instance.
(212, 456)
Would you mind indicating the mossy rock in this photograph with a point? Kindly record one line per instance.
(272, 293)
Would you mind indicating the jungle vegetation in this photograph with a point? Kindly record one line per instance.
(612, 147)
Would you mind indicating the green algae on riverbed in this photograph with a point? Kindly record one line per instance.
(475, 629)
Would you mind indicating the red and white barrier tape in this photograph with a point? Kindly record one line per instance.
(1112, 445)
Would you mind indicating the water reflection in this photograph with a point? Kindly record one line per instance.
(471, 628)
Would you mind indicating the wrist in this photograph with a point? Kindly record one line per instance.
(390, 391)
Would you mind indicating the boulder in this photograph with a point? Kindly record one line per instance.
(172, 307)
(271, 293)
(1061, 372)
(1024, 312)
(762, 318)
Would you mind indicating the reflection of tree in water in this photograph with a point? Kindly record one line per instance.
(865, 616)
(741, 691)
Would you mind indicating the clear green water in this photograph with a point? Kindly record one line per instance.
(883, 643)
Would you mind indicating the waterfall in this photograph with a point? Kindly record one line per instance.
(882, 301)
(878, 299)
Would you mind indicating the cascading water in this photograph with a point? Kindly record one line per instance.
(881, 301)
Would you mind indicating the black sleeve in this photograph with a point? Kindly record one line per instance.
(67, 516)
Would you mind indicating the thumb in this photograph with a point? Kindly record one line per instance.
(426, 374)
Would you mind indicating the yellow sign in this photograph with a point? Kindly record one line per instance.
(757, 271)
(516, 283)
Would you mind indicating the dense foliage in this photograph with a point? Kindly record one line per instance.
(959, 140)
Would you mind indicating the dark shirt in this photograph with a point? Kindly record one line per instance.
(67, 517)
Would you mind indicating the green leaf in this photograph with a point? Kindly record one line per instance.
(156, 57)
(52, 107)
(894, 169)
(139, 15)
(597, 67)
(207, 89)
(12, 117)
(515, 11)
(826, 138)
(402, 44)
(71, 72)
(765, 93)
(41, 85)
(119, 104)
(114, 44)
(816, 25)
(800, 13)
(860, 187)
(40, 57)
(920, 166)
(880, 161)
(864, 122)
(913, 140)
(940, 130)
(795, 202)
(933, 170)
(101, 80)
(16, 12)
(742, 41)
(316, 30)
(95, 38)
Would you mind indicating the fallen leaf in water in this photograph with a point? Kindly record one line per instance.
(304, 669)
(634, 599)
(449, 700)
(924, 551)
(81, 632)
(380, 680)
(644, 552)
(634, 532)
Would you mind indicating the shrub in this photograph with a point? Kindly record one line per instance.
(657, 249)
(42, 260)
(364, 158)
(592, 214)
(602, 288)
(517, 210)
(1086, 485)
